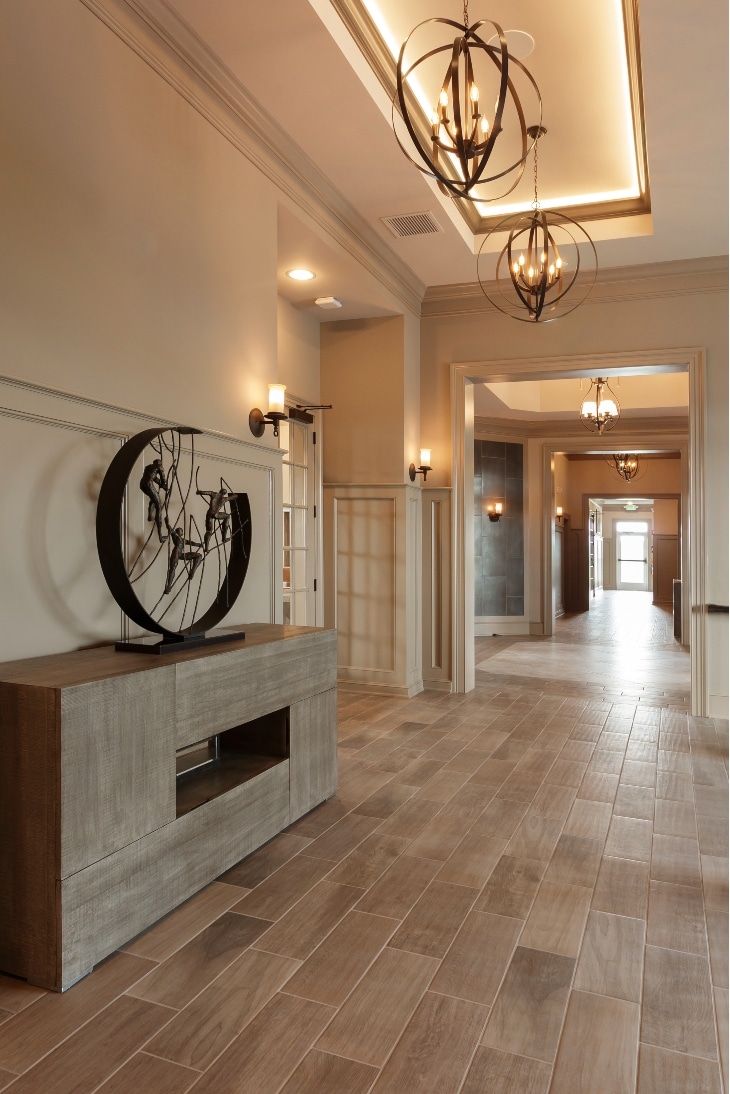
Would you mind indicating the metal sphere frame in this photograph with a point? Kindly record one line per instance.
(626, 464)
(471, 153)
(535, 299)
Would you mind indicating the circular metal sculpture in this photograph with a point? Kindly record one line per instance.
(463, 135)
(182, 555)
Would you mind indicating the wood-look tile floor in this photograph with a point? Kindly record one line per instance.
(516, 891)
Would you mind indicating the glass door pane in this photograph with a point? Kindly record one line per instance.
(300, 550)
(632, 561)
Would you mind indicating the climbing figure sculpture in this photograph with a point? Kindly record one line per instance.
(217, 513)
(179, 554)
(153, 480)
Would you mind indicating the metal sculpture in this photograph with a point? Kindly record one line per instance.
(161, 590)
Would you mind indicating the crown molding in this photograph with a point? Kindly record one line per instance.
(180, 57)
(616, 284)
(673, 428)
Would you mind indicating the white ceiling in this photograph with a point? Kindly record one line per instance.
(662, 396)
(303, 67)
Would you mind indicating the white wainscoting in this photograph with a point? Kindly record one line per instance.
(372, 579)
(55, 448)
(436, 586)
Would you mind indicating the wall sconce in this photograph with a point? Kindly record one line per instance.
(424, 468)
(558, 510)
(257, 421)
(494, 511)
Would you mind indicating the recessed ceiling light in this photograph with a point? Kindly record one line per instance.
(300, 275)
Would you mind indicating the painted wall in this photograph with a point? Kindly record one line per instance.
(136, 283)
(598, 479)
(298, 352)
(363, 376)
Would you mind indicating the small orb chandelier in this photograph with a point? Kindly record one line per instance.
(626, 464)
(533, 285)
(462, 135)
(600, 409)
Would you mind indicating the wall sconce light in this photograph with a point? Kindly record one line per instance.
(257, 421)
(423, 468)
(494, 511)
(558, 511)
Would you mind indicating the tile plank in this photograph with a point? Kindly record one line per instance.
(148, 1073)
(436, 1047)
(599, 1046)
(505, 1073)
(323, 1073)
(372, 1019)
(303, 927)
(612, 957)
(675, 1073)
(527, 1016)
(677, 1010)
(476, 962)
(200, 1032)
(430, 927)
(557, 919)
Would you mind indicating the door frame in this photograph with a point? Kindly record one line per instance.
(694, 565)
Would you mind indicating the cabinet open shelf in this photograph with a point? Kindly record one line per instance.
(229, 759)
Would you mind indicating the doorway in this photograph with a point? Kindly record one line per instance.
(644, 362)
(632, 556)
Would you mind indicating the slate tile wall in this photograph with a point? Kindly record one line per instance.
(499, 556)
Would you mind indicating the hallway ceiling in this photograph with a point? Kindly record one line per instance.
(301, 62)
(662, 396)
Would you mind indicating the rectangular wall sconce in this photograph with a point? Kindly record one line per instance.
(494, 510)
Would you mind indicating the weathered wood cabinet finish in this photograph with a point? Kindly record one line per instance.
(91, 850)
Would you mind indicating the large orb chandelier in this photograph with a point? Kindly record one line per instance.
(463, 136)
(539, 264)
(600, 410)
(626, 464)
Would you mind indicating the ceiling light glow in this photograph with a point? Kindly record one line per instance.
(300, 275)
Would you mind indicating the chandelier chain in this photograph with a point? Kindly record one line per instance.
(466, 13)
(536, 203)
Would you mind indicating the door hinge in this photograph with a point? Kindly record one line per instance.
(314, 436)
(315, 510)
(315, 584)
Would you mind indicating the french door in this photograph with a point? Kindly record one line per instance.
(301, 535)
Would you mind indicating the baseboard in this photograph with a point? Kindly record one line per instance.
(437, 685)
(365, 687)
(537, 630)
(717, 706)
(485, 629)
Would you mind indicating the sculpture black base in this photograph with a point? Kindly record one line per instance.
(157, 644)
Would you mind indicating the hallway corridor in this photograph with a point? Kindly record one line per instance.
(521, 890)
(623, 648)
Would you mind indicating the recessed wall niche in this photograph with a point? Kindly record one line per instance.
(499, 556)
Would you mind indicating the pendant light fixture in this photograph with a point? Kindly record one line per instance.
(539, 264)
(464, 133)
(600, 409)
(626, 464)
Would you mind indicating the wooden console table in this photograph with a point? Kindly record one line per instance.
(99, 837)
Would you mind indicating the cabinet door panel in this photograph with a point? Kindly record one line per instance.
(313, 752)
(117, 764)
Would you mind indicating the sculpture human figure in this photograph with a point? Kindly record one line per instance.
(179, 554)
(217, 500)
(153, 480)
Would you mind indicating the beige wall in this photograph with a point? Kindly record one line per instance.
(138, 271)
(598, 479)
(666, 517)
(363, 376)
(298, 352)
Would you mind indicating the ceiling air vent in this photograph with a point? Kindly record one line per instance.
(412, 224)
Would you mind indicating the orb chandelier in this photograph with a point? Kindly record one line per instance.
(600, 409)
(463, 135)
(539, 264)
(626, 464)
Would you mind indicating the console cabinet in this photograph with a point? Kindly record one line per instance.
(99, 836)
